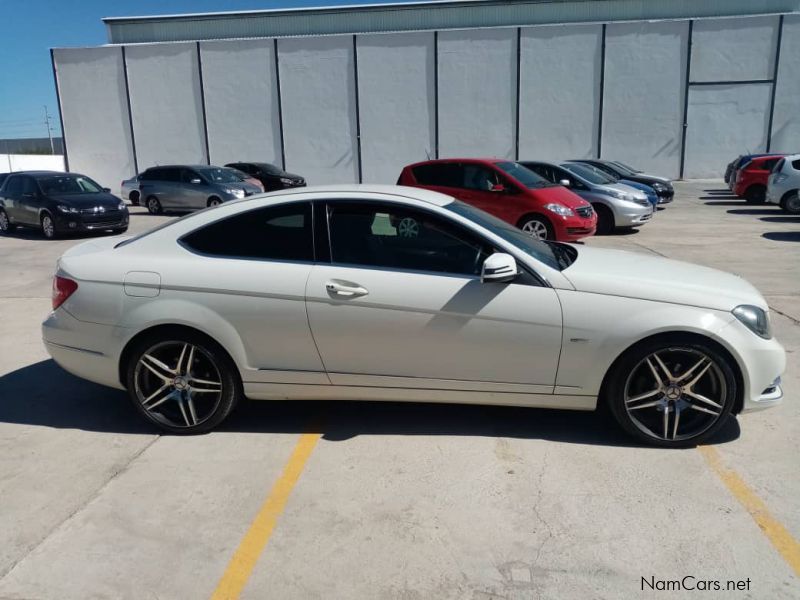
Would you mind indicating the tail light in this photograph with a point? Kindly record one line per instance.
(63, 288)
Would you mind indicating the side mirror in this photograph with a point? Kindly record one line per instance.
(565, 182)
(498, 187)
(106, 190)
(195, 180)
(499, 267)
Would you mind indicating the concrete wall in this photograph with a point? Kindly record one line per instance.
(413, 95)
(559, 121)
(32, 162)
(94, 109)
(241, 98)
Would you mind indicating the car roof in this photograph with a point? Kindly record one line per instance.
(41, 173)
(413, 193)
(435, 161)
(183, 167)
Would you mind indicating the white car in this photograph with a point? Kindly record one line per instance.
(783, 186)
(403, 294)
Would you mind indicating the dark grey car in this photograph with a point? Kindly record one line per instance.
(190, 187)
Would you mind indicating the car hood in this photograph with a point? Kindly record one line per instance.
(558, 194)
(637, 275)
(107, 201)
(622, 187)
(649, 179)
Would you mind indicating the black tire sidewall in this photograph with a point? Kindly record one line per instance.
(614, 395)
(551, 235)
(159, 208)
(605, 220)
(231, 384)
(41, 223)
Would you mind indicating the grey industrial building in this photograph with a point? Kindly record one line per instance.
(348, 94)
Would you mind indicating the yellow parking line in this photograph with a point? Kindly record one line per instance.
(785, 544)
(255, 540)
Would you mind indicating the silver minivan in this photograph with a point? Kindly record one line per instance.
(616, 204)
(190, 187)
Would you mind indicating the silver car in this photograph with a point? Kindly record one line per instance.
(190, 187)
(616, 204)
(129, 190)
(783, 186)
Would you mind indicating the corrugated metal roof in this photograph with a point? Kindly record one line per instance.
(416, 16)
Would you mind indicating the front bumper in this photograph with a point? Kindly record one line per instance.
(632, 217)
(571, 229)
(79, 222)
(665, 196)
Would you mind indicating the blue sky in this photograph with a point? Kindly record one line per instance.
(32, 27)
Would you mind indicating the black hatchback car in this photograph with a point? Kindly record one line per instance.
(661, 186)
(270, 176)
(58, 203)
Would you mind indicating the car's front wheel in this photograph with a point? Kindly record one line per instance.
(48, 226)
(671, 392)
(537, 227)
(182, 382)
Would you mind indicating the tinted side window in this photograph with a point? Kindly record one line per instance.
(187, 175)
(777, 168)
(442, 174)
(396, 237)
(271, 233)
(540, 170)
(768, 164)
(795, 164)
(29, 186)
(14, 186)
(478, 177)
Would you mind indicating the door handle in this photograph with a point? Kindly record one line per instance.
(345, 288)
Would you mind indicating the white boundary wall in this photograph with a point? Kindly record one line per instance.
(357, 108)
(31, 162)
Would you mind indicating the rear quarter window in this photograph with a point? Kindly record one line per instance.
(795, 165)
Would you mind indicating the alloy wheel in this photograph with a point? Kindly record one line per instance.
(793, 204)
(48, 228)
(178, 384)
(675, 394)
(4, 222)
(535, 229)
(153, 205)
(214, 202)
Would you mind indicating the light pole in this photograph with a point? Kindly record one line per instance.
(49, 129)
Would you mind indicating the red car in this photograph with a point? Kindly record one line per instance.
(751, 178)
(510, 192)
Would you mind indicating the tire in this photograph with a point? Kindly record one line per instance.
(605, 219)
(755, 194)
(537, 226)
(134, 198)
(48, 226)
(6, 226)
(154, 206)
(698, 369)
(791, 203)
(213, 201)
(175, 395)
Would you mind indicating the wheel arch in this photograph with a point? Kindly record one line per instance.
(213, 197)
(789, 194)
(683, 335)
(533, 213)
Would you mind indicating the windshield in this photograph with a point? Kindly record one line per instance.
(219, 175)
(589, 173)
(68, 184)
(553, 254)
(269, 169)
(240, 175)
(524, 175)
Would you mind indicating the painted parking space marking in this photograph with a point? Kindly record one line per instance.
(777, 534)
(241, 565)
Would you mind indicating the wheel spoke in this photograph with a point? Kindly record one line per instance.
(702, 398)
(675, 423)
(699, 375)
(664, 368)
(690, 371)
(646, 404)
(666, 422)
(703, 409)
(643, 396)
(183, 411)
(158, 368)
(205, 382)
(156, 397)
(654, 372)
(190, 404)
(205, 391)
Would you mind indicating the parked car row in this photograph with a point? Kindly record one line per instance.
(760, 178)
(189, 187)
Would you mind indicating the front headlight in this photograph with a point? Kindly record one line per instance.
(236, 193)
(658, 186)
(754, 318)
(122, 206)
(560, 209)
(620, 195)
(67, 209)
(286, 180)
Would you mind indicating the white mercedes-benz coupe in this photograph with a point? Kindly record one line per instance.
(394, 293)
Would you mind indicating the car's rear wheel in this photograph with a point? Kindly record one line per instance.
(48, 226)
(154, 206)
(755, 194)
(6, 226)
(672, 393)
(182, 382)
(605, 219)
(134, 197)
(537, 227)
(213, 201)
(791, 204)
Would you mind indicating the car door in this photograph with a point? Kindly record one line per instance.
(152, 183)
(12, 194)
(192, 191)
(486, 188)
(251, 270)
(402, 304)
(29, 201)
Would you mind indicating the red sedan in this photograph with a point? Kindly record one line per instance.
(751, 178)
(510, 192)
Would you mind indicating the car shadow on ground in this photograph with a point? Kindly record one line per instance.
(782, 236)
(738, 203)
(725, 191)
(754, 211)
(781, 219)
(44, 395)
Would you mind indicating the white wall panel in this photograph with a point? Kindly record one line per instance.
(786, 119)
(396, 102)
(166, 104)
(241, 96)
(318, 100)
(477, 92)
(559, 88)
(723, 121)
(94, 108)
(733, 49)
(643, 99)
